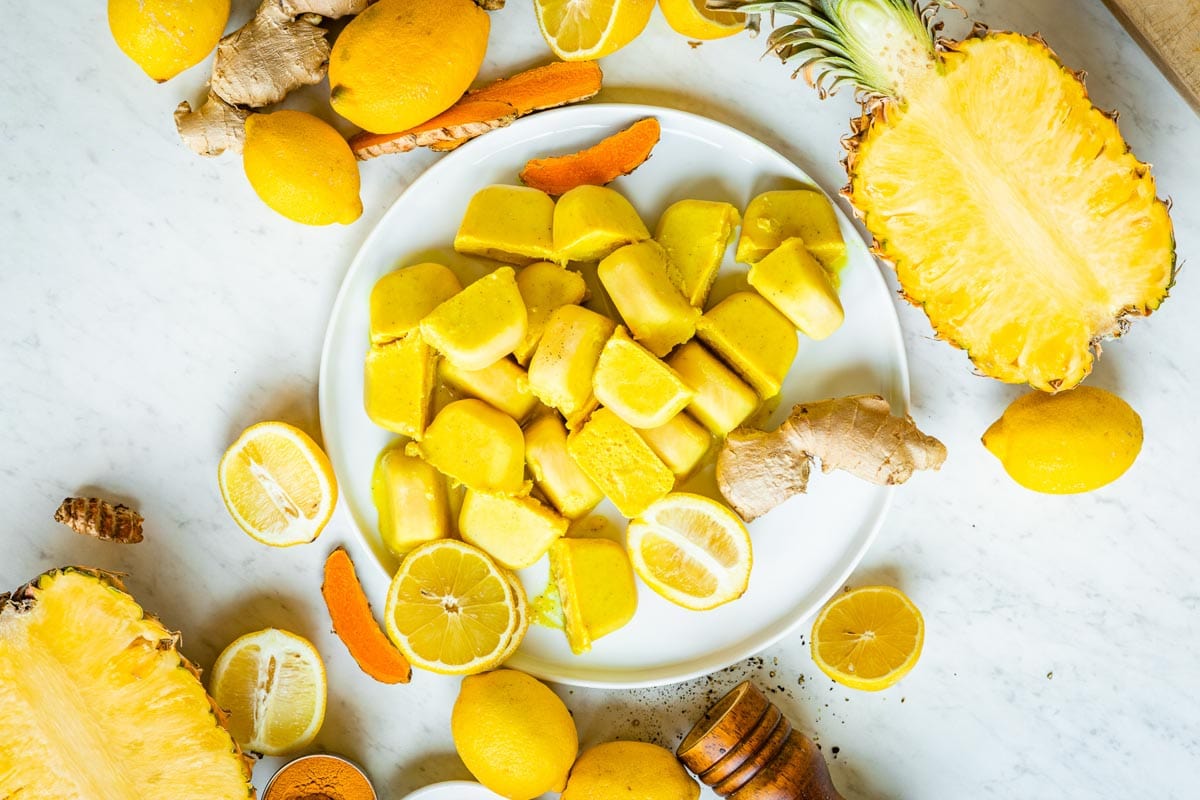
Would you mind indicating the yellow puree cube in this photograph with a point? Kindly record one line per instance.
(513, 224)
(398, 384)
(503, 384)
(774, 217)
(476, 445)
(411, 499)
(754, 338)
(481, 324)
(620, 462)
(592, 221)
(722, 400)
(596, 587)
(695, 234)
(403, 297)
(799, 287)
(516, 531)
(654, 309)
(555, 472)
(545, 287)
(682, 443)
(638, 387)
(560, 373)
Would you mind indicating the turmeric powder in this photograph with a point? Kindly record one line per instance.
(320, 777)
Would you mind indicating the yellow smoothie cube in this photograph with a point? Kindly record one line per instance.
(753, 338)
(554, 472)
(476, 445)
(411, 499)
(503, 385)
(681, 443)
(695, 234)
(516, 531)
(481, 324)
(620, 462)
(403, 297)
(774, 217)
(636, 279)
(592, 221)
(545, 287)
(513, 224)
(560, 372)
(636, 385)
(596, 588)
(398, 380)
(721, 400)
(796, 284)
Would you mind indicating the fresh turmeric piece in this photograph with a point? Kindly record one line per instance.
(463, 120)
(603, 162)
(355, 625)
(92, 516)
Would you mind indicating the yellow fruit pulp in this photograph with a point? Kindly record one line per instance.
(595, 587)
(633, 770)
(592, 221)
(560, 373)
(411, 499)
(636, 279)
(584, 30)
(514, 530)
(481, 324)
(476, 445)
(639, 388)
(619, 461)
(503, 385)
(800, 288)
(721, 400)
(774, 217)
(402, 62)
(398, 382)
(868, 638)
(554, 472)
(403, 297)
(513, 224)
(1066, 443)
(696, 234)
(545, 287)
(165, 37)
(753, 338)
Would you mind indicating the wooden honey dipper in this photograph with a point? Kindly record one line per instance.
(745, 749)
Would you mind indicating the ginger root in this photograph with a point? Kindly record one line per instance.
(92, 516)
(603, 162)
(464, 120)
(758, 471)
(214, 127)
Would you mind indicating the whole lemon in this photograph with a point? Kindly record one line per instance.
(1066, 443)
(514, 734)
(165, 37)
(629, 771)
(402, 62)
(301, 167)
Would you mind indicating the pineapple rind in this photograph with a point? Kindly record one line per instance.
(174, 744)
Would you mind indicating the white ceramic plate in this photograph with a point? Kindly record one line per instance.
(804, 550)
(454, 790)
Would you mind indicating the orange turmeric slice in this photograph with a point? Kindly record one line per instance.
(355, 625)
(463, 120)
(603, 162)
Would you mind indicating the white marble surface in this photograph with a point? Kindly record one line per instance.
(151, 307)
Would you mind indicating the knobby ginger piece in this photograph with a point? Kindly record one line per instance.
(464, 120)
(212, 128)
(92, 516)
(602, 163)
(757, 471)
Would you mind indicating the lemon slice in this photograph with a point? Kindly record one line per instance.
(451, 609)
(868, 638)
(695, 21)
(277, 484)
(579, 30)
(693, 551)
(272, 683)
(520, 621)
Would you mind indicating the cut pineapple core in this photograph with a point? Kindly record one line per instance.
(481, 324)
(636, 279)
(476, 445)
(560, 373)
(620, 462)
(97, 701)
(681, 443)
(554, 472)
(403, 297)
(639, 388)
(516, 531)
(592, 221)
(503, 385)
(754, 338)
(411, 499)
(545, 288)
(398, 384)
(695, 234)
(513, 224)
(721, 400)
(774, 217)
(595, 587)
(792, 280)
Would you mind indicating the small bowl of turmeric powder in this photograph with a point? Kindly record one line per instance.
(320, 777)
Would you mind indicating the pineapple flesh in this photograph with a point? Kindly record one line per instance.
(98, 702)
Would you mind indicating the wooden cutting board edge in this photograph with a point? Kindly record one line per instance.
(1167, 59)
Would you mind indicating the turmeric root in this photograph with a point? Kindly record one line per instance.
(463, 120)
(355, 625)
(758, 471)
(92, 516)
(603, 162)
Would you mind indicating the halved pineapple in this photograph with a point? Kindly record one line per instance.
(98, 702)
